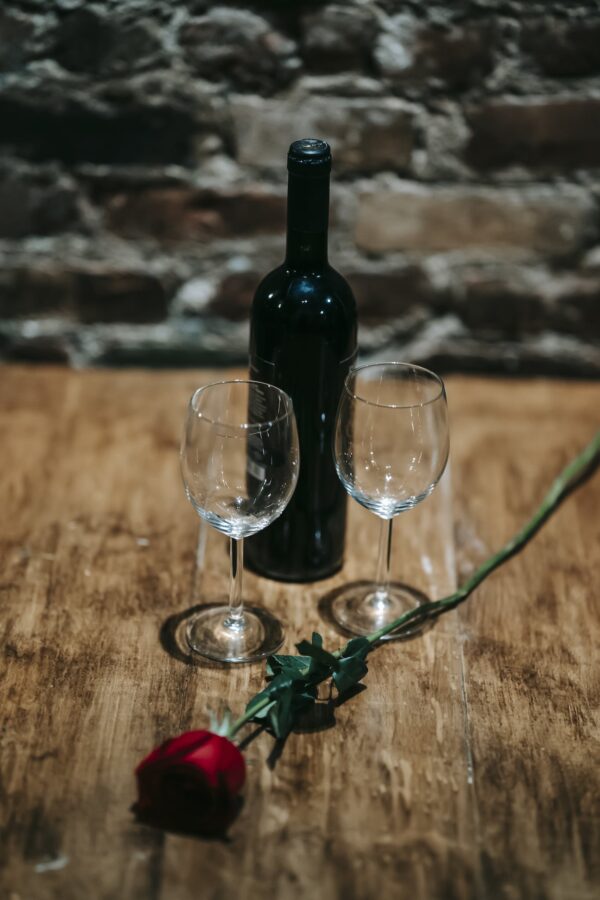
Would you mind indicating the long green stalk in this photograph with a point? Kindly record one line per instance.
(560, 487)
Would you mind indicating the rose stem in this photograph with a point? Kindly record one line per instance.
(559, 488)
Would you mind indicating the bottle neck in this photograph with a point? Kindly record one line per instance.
(307, 221)
(306, 249)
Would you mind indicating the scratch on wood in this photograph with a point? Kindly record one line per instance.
(51, 865)
(467, 732)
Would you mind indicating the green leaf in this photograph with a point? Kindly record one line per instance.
(352, 666)
(316, 652)
(293, 666)
(350, 672)
(264, 712)
(279, 684)
(358, 646)
(293, 685)
(284, 710)
(306, 696)
(281, 717)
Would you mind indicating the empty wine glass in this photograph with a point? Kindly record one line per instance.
(391, 448)
(239, 461)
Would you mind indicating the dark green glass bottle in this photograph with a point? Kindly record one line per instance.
(303, 340)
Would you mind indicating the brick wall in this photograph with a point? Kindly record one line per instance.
(142, 175)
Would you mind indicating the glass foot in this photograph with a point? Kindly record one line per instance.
(361, 608)
(212, 634)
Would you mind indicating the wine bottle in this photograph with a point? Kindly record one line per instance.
(303, 340)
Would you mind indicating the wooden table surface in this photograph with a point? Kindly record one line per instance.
(467, 768)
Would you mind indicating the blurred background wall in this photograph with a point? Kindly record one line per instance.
(142, 175)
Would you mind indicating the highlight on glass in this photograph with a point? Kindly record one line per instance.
(391, 448)
(240, 463)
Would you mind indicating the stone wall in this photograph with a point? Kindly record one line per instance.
(142, 175)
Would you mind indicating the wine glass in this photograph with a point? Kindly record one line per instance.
(391, 448)
(239, 461)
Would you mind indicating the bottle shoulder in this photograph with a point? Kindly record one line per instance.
(286, 292)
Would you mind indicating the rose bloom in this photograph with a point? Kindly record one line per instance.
(191, 783)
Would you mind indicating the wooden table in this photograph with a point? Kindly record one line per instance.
(467, 768)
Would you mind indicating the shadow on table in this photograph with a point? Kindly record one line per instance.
(173, 640)
(410, 631)
(187, 823)
(319, 717)
(173, 631)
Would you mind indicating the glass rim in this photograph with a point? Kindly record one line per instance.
(244, 426)
(400, 365)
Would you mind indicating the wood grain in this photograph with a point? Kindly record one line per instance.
(532, 639)
(467, 768)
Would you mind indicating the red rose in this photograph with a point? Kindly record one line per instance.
(191, 783)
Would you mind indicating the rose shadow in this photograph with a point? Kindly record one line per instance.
(182, 828)
(320, 717)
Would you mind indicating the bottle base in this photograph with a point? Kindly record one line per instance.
(293, 578)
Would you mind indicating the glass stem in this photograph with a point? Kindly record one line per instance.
(383, 562)
(235, 616)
